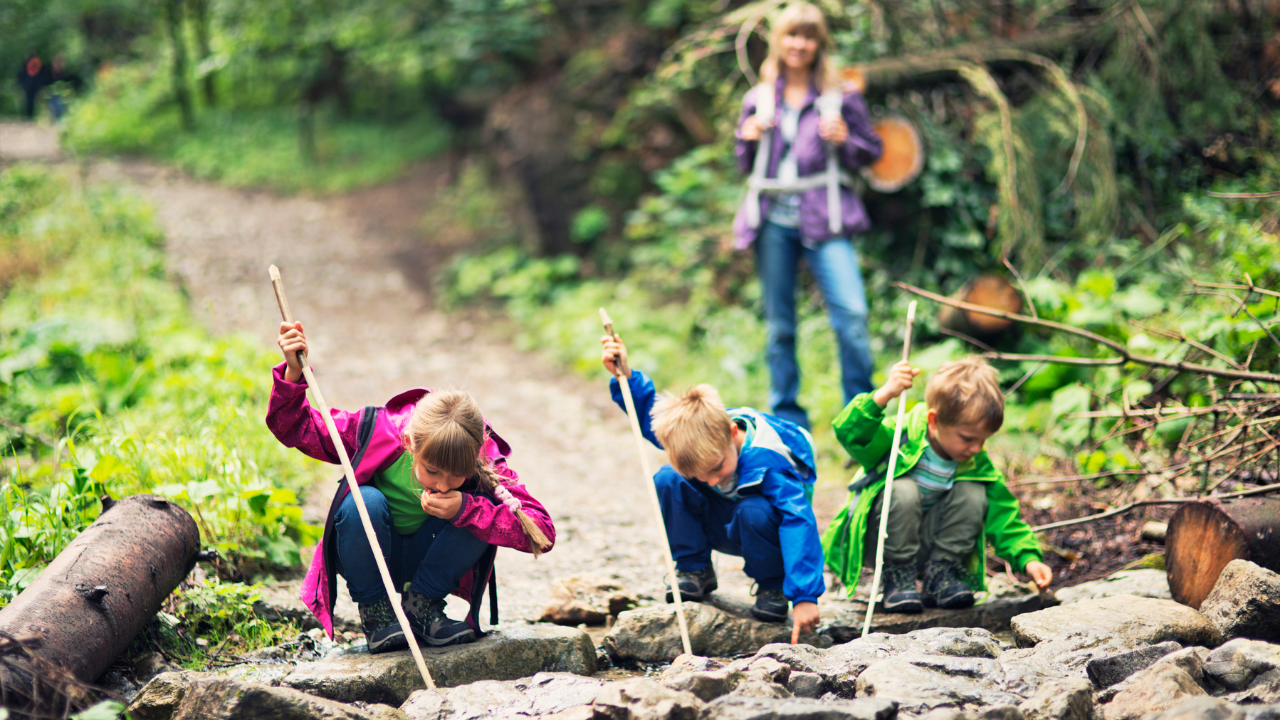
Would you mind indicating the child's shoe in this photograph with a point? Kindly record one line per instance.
(381, 629)
(694, 584)
(431, 625)
(945, 585)
(899, 587)
(770, 605)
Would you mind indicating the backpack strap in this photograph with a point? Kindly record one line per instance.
(493, 597)
(829, 107)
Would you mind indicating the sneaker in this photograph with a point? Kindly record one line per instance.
(770, 605)
(945, 585)
(381, 629)
(431, 625)
(899, 587)
(695, 585)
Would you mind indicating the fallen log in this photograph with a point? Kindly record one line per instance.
(990, 291)
(1203, 537)
(99, 593)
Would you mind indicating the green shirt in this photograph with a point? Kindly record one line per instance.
(403, 495)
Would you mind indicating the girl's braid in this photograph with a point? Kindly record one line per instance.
(490, 483)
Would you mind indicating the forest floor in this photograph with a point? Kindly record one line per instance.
(357, 270)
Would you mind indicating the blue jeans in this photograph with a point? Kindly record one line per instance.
(432, 560)
(699, 520)
(834, 264)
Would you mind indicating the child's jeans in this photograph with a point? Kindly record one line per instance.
(432, 560)
(949, 529)
(834, 265)
(700, 520)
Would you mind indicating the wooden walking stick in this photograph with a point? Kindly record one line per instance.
(318, 400)
(621, 372)
(888, 478)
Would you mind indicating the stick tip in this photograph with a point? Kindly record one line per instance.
(911, 311)
(604, 317)
(274, 272)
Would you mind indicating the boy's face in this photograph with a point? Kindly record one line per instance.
(728, 465)
(957, 442)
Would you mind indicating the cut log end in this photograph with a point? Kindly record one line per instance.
(990, 291)
(1202, 538)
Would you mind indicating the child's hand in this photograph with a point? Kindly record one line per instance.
(833, 130)
(901, 377)
(753, 128)
(614, 349)
(292, 341)
(1042, 574)
(442, 505)
(805, 617)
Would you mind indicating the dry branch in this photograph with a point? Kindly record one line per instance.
(1143, 503)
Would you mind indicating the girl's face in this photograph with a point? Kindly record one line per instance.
(433, 479)
(799, 49)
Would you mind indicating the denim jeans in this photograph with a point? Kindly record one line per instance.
(834, 264)
(432, 560)
(700, 520)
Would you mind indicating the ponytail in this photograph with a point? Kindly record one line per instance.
(491, 482)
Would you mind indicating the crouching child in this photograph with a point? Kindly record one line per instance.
(948, 500)
(739, 482)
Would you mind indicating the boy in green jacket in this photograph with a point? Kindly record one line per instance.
(948, 497)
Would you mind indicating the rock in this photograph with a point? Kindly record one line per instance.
(805, 684)
(1245, 602)
(706, 684)
(1067, 653)
(1142, 583)
(148, 665)
(922, 683)
(1239, 661)
(756, 688)
(160, 698)
(587, 598)
(1136, 619)
(1152, 690)
(736, 707)
(1201, 708)
(542, 694)
(643, 699)
(1264, 689)
(1004, 712)
(425, 705)
(509, 652)
(1061, 699)
(195, 696)
(844, 620)
(1112, 669)
(652, 634)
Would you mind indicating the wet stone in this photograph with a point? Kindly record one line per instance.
(587, 598)
(1112, 669)
(1061, 699)
(1141, 583)
(652, 634)
(643, 699)
(1138, 620)
(736, 707)
(1238, 662)
(1245, 602)
(206, 697)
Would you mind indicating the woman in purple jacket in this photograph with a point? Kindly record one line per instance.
(801, 200)
(440, 496)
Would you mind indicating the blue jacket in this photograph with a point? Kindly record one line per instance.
(765, 468)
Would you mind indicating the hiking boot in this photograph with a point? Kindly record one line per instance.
(770, 605)
(381, 629)
(431, 625)
(899, 587)
(946, 585)
(694, 584)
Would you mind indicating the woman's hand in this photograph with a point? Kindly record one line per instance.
(804, 616)
(901, 377)
(292, 341)
(753, 129)
(833, 130)
(442, 505)
(614, 349)
(1042, 574)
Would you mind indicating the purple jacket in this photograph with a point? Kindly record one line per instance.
(861, 148)
(296, 424)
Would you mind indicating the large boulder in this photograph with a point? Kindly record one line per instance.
(652, 634)
(1107, 671)
(1061, 699)
(1142, 583)
(1135, 619)
(643, 699)
(194, 696)
(509, 652)
(843, 620)
(921, 683)
(587, 598)
(1170, 681)
(1201, 708)
(1245, 602)
(737, 707)
(540, 695)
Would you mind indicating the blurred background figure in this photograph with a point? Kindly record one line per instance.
(32, 77)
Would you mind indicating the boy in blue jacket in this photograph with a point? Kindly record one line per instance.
(739, 482)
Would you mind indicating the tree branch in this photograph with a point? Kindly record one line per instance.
(1171, 501)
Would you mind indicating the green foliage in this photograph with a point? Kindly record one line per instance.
(107, 385)
(210, 617)
(105, 710)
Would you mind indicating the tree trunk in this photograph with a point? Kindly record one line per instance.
(181, 93)
(990, 291)
(1204, 537)
(200, 18)
(102, 590)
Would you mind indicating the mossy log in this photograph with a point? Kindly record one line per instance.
(1203, 537)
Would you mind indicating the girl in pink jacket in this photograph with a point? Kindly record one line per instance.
(441, 498)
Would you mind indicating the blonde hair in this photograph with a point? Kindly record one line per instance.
(694, 428)
(966, 392)
(447, 432)
(808, 20)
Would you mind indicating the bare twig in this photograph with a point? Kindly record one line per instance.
(1170, 501)
(1182, 337)
(1246, 196)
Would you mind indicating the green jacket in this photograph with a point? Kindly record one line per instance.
(864, 431)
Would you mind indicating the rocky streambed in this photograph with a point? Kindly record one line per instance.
(1104, 653)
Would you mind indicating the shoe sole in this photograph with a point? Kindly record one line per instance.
(768, 617)
(905, 607)
(462, 638)
(391, 643)
(958, 601)
(685, 597)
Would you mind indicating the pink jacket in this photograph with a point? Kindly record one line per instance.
(296, 424)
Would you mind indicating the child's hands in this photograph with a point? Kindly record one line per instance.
(834, 130)
(901, 377)
(614, 349)
(805, 617)
(1042, 574)
(442, 505)
(292, 341)
(753, 128)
